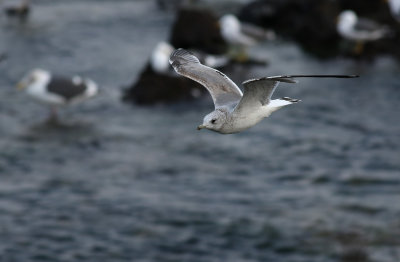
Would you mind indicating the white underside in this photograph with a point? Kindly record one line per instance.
(239, 123)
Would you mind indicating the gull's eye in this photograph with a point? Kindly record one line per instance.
(213, 121)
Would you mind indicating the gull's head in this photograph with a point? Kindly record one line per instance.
(159, 60)
(213, 121)
(229, 24)
(347, 18)
(33, 77)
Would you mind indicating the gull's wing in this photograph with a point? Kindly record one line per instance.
(258, 92)
(364, 24)
(223, 90)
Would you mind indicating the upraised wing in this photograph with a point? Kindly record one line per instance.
(222, 89)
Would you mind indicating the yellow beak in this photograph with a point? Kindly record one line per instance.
(200, 127)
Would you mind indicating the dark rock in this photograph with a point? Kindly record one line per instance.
(198, 29)
(152, 88)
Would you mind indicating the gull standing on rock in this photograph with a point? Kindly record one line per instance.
(57, 91)
(235, 111)
(360, 30)
(238, 33)
(242, 35)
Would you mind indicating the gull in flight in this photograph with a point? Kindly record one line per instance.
(235, 111)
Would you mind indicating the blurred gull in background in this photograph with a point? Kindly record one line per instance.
(234, 112)
(238, 33)
(57, 91)
(361, 30)
(242, 35)
(159, 59)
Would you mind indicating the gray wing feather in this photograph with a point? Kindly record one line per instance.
(223, 90)
(258, 92)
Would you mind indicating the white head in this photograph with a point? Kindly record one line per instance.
(36, 76)
(347, 19)
(229, 25)
(214, 120)
(159, 60)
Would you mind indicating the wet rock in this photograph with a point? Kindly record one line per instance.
(312, 23)
(198, 29)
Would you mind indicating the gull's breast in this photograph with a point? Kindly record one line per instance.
(237, 123)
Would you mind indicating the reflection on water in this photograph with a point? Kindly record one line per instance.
(317, 181)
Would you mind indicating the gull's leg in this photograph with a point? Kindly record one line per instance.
(53, 116)
(359, 48)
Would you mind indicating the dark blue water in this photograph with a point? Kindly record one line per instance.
(317, 181)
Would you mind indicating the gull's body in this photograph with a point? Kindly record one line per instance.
(57, 91)
(234, 111)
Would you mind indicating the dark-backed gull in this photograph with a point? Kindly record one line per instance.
(57, 91)
(235, 111)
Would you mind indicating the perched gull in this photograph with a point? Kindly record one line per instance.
(57, 91)
(394, 6)
(238, 33)
(159, 60)
(21, 10)
(234, 111)
(360, 30)
(160, 56)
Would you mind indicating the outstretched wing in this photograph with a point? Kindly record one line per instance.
(258, 92)
(223, 90)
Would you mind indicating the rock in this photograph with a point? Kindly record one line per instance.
(198, 29)
(153, 88)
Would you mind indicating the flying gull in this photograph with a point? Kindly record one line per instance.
(235, 111)
(57, 91)
(360, 30)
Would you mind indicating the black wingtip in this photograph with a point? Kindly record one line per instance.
(321, 76)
